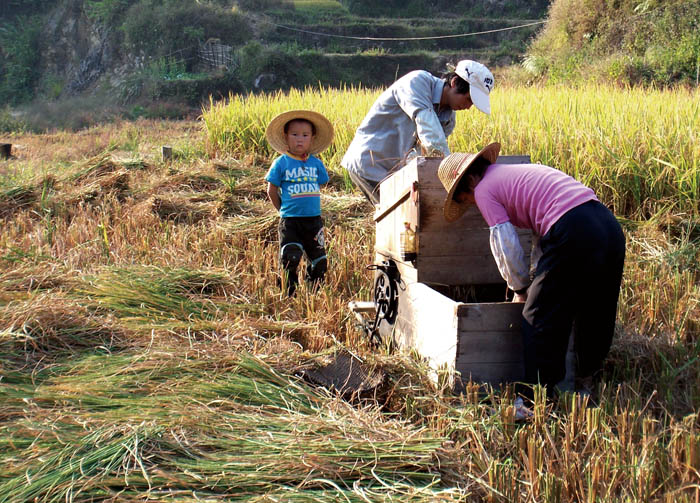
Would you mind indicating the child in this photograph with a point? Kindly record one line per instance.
(293, 186)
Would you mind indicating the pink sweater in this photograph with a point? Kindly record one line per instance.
(530, 196)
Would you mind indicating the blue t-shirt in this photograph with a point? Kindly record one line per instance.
(300, 184)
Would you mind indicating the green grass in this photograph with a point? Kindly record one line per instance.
(314, 6)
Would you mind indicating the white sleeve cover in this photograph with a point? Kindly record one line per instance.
(509, 256)
(430, 131)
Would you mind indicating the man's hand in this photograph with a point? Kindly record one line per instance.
(431, 152)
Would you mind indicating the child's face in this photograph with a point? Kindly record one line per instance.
(299, 136)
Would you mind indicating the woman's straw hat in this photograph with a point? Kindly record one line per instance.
(324, 130)
(453, 168)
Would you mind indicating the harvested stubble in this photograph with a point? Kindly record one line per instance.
(255, 219)
(668, 309)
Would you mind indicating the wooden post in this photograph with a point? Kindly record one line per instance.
(167, 152)
(5, 150)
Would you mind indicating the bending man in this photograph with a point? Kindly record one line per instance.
(414, 116)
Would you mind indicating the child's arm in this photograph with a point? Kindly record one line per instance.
(273, 192)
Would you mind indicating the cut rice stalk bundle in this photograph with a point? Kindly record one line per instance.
(162, 292)
(134, 163)
(51, 325)
(345, 206)
(39, 340)
(147, 302)
(78, 467)
(150, 459)
(14, 199)
(104, 164)
(27, 277)
(247, 429)
(189, 182)
(262, 226)
(183, 210)
(112, 185)
(251, 188)
(16, 392)
(185, 281)
(374, 491)
(94, 167)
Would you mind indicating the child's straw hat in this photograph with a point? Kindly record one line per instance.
(324, 130)
(453, 168)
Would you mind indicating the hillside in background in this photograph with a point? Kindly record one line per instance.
(79, 62)
(625, 41)
(158, 57)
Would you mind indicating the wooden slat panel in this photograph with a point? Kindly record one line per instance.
(433, 218)
(383, 211)
(464, 243)
(448, 253)
(427, 323)
(490, 317)
(490, 347)
(490, 344)
(388, 229)
(481, 270)
(478, 340)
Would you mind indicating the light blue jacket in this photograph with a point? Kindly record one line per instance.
(405, 112)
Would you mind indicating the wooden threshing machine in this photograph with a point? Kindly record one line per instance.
(449, 302)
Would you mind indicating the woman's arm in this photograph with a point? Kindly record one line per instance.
(509, 256)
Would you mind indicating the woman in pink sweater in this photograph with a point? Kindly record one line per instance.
(577, 278)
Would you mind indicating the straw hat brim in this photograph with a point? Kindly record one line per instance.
(460, 163)
(321, 141)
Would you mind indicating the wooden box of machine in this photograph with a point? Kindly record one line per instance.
(448, 302)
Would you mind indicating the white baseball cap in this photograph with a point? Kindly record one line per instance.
(480, 81)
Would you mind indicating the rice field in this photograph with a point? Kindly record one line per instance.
(146, 353)
(638, 149)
